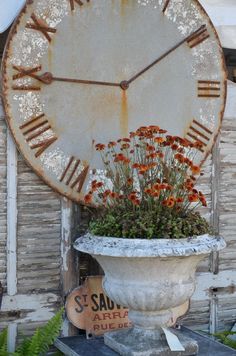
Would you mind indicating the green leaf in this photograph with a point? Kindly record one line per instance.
(3, 343)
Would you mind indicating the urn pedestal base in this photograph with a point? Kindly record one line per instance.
(140, 342)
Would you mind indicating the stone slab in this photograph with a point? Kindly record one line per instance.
(136, 342)
(80, 346)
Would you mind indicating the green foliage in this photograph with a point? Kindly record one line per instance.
(148, 224)
(39, 343)
(3, 343)
(223, 337)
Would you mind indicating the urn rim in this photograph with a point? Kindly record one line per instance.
(122, 247)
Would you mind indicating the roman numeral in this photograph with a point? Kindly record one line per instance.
(209, 89)
(41, 26)
(200, 133)
(35, 128)
(198, 37)
(166, 3)
(72, 176)
(26, 72)
(79, 2)
(26, 87)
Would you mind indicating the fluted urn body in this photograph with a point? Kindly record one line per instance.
(150, 277)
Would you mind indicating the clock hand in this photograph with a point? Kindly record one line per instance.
(198, 31)
(48, 78)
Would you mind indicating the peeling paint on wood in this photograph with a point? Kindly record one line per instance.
(11, 216)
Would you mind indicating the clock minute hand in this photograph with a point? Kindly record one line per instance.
(197, 32)
(48, 78)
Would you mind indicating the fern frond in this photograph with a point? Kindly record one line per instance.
(50, 331)
(3, 343)
(22, 349)
(3, 338)
(34, 348)
(42, 339)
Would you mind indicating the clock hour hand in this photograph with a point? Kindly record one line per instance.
(48, 78)
(192, 35)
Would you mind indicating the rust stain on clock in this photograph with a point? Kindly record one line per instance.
(124, 117)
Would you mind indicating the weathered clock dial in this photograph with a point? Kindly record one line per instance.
(79, 72)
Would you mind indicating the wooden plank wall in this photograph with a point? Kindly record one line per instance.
(3, 198)
(213, 305)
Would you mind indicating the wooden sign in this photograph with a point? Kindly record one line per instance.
(89, 308)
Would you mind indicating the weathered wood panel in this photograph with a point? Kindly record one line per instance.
(38, 252)
(227, 193)
(3, 197)
(199, 315)
(204, 184)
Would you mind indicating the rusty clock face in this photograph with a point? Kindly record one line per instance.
(76, 72)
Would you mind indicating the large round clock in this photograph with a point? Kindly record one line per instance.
(76, 72)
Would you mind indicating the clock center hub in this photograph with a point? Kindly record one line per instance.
(124, 85)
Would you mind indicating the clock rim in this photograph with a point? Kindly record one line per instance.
(44, 178)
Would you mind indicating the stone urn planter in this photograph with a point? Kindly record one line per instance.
(150, 277)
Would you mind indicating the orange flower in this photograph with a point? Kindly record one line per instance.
(203, 201)
(150, 148)
(136, 202)
(169, 202)
(94, 182)
(193, 198)
(135, 166)
(160, 154)
(126, 139)
(161, 131)
(132, 196)
(181, 150)
(143, 168)
(188, 161)
(107, 193)
(132, 134)
(121, 158)
(162, 186)
(130, 181)
(159, 139)
(156, 186)
(152, 165)
(198, 145)
(179, 157)
(195, 170)
(179, 200)
(125, 146)
(88, 198)
(96, 185)
(164, 203)
(174, 147)
(148, 191)
(154, 128)
(111, 144)
(170, 139)
(155, 194)
(114, 195)
(152, 155)
(100, 147)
